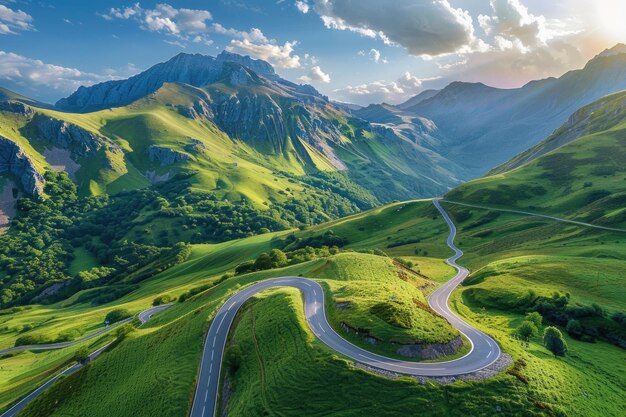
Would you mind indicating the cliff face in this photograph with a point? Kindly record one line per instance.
(14, 161)
(79, 141)
(165, 156)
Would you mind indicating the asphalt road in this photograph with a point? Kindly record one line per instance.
(544, 216)
(484, 350)
(143, 317)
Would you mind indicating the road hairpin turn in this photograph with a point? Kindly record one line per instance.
(484, 350)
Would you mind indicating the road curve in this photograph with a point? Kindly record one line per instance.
(484, 350)
(144, 316)
(544, 216)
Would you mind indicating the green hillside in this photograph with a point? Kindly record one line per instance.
(584, 179)
(342, 273)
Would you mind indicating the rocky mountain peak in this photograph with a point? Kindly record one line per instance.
(193, 69)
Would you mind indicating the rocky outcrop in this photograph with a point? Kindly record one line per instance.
(240, 77)
(166, 156)
(195, 146)
(199, 110)
(82, 143)
(16, 107)
(434, 351)
(14, 161)
(268, 121)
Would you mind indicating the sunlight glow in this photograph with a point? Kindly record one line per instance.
(611, 15)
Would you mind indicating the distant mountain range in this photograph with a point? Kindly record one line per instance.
(205, 115)
(579, 171)
(481, 127)
(230, 121)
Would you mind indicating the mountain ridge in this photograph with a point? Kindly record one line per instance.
(486, 126)
(194, 69)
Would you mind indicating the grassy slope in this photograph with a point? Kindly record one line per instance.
(512, 254)
(588, 382)
(21, 372)
(285, 366)
(168, 352)
(208, 262)
(584, 180)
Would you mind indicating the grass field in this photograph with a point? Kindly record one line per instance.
(22, 371)
(283, 367)
(208, 262)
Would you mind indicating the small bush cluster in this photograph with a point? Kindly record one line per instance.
(276, 258)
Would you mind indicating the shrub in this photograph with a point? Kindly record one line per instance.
(194, 291)
(116, 315)
(123, 331)
(81, 354)
(245, 267)
(232, 359)
(278, 258)
(574, 328)
(535, 318)
(163, 299)
(554, 342)
(33, 339)
(527, 329)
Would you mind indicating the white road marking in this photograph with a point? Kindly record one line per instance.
(470, 362)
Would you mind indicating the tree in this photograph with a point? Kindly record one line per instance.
(81, 354)
(535, 318)
(116, 315)
(554, 342)
(124, 331)
(263, 262)
(527, 329)
(278, 258)
(574, 328)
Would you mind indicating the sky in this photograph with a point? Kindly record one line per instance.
(357, 51)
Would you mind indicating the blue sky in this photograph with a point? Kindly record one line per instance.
(359, 51)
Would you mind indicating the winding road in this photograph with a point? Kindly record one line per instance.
(543, 216)
(484, 350)
(143, 317)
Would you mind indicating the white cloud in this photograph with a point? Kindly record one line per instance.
(422, 27)
(254, 35)
(315, 75)
(310, 59)
(512, 26)
(175, 43)
(182, 23)
(376, 56)
(49, 80)
(406, 86)
(518, 46)
(279, 56)
(12, 21)
(302, 6)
